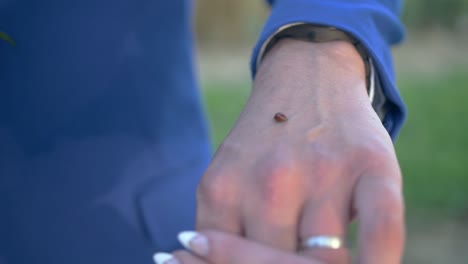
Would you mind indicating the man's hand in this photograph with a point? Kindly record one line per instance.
(332, 160)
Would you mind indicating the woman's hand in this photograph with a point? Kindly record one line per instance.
(223, 248)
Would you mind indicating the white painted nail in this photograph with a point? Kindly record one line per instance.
(164, 258)
(185, 238)
(195, 242)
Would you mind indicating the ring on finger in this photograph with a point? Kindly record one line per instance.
(324, 241)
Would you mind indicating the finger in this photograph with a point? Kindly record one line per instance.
(326, 217)
(180, 257)
(217, 203)
(275, 229)
(184, 257)
(379, 205)
(271, 216)
(223, 248)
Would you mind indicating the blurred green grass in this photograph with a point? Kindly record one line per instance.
(432, 147)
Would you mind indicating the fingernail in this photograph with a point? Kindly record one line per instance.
(194, 242)
(164, 258)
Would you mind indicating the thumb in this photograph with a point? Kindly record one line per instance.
(223, 248)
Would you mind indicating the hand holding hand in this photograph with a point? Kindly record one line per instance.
(276, 183)
(222, 248)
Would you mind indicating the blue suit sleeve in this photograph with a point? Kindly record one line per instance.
(375, 23)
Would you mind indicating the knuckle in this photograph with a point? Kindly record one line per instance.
(380, 148)
(376, 153)
(216, 188)
(277, 180)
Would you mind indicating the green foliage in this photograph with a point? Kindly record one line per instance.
(430, 13)
(433, 146)
(224, 103)
(4, 36)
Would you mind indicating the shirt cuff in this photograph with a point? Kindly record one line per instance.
(375, 25)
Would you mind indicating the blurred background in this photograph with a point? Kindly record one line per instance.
(432, 74)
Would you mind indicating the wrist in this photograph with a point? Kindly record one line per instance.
(314, 85)
(341, 55)
(305, 74)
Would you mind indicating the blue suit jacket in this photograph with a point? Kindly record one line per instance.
(102, 137)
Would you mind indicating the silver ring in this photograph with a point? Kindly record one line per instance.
(331, 242)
